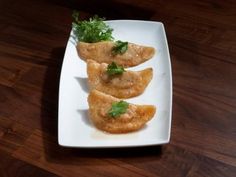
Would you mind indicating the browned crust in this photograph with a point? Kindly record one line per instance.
(101, 52)
(98, 100)
(94, 71)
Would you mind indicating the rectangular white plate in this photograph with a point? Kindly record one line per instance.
(75, 130)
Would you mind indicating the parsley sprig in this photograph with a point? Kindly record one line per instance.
(92, 30)
(120, 47)
(113, 69)
(118, 108)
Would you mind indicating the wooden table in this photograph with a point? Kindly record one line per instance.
(202, 42)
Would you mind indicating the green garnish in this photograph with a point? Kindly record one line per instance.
(120, 47)
(92, 30)
(118, 108)
(113, 69)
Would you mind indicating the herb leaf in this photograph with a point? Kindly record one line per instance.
(118, 108)
(120, 47)
(113, 69)
(92, 30)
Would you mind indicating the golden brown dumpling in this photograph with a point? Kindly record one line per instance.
(126, 85)
(102, 53)
(134, 119)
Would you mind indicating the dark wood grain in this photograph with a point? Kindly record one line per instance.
(11, 166)
(202, 39)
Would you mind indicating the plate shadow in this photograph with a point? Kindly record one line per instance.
(85, 116)
(83, 83)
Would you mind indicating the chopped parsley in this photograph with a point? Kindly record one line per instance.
(113, 69)
(92, 30)
(118, 108)
(119, 47)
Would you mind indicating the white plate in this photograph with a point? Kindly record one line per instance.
(75, 130)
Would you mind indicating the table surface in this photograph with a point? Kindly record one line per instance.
(202, 41)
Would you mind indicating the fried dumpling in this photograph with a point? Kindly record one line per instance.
(126, 85)
(133, 119)
(102, 53)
